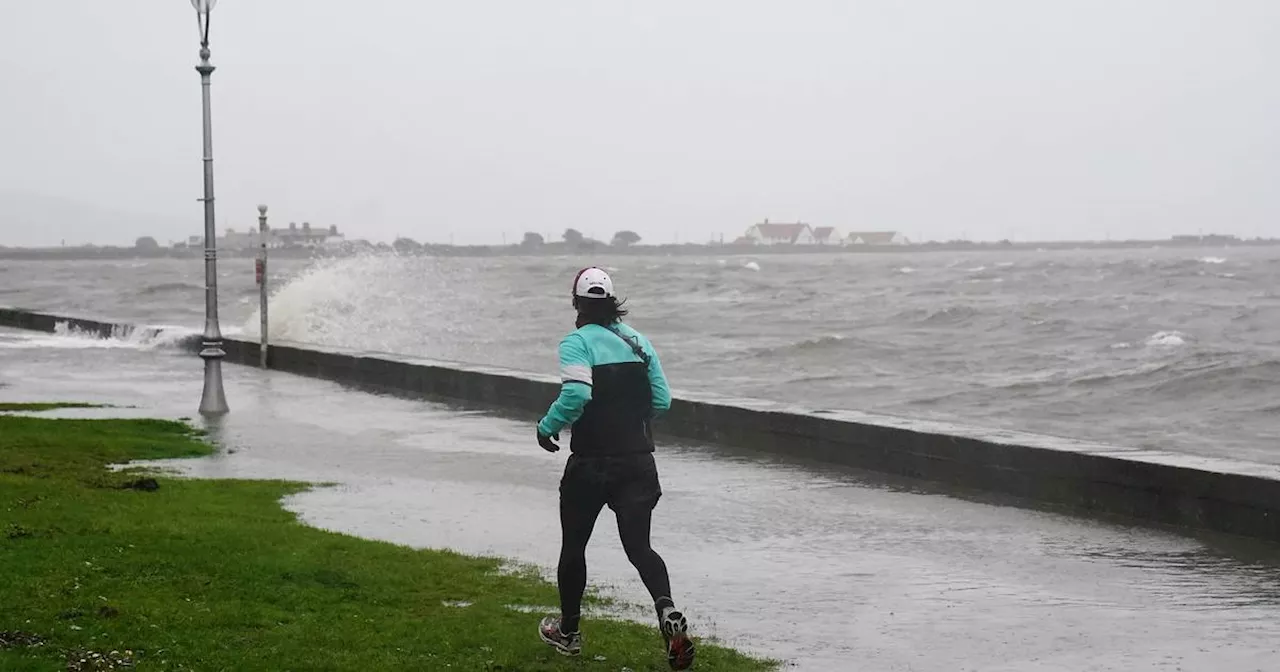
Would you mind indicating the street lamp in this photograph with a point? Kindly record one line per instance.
(214, 400)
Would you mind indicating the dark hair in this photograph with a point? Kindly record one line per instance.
(603, 312)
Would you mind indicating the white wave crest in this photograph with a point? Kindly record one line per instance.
(1212, 260)
(67, 337)
(1167, 339)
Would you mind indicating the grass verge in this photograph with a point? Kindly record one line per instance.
(106, 569)
(8, 407)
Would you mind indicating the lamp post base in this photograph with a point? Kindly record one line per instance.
(213, 401)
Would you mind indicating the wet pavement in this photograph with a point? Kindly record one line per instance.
(826, 568)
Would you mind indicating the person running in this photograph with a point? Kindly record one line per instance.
(612, 385)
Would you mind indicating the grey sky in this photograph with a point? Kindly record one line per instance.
(689, 118)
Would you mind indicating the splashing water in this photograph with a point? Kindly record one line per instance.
(357, 302)
(1167, 339)
(69, 337)
(378, 302)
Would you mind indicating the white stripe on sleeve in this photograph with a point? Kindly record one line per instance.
(575, 372)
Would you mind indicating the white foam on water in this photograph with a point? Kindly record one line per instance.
(370, 302)
(68, 337)
(1004, 264)
(1212, 260)
(906, 269)
(751, 266)
(1166, 339)
(976, 269)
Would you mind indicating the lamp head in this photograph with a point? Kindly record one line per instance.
(203, 8)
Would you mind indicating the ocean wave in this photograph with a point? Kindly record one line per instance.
(808, 345)
(1220, 380)
(68, 337)
(1166, 339)
(939, 316)
(816, 378)
(170, 287)
(1210, 374)
(1212, 260)
(1133, 372)
(1048, 379)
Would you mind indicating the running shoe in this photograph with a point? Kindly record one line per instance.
(675, 630)
(569, 644)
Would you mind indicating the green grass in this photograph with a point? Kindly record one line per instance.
(216, 575)
(12, 407)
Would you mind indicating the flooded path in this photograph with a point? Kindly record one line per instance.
(828, 569)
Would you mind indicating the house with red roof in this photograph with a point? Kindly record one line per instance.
(828, 235)
(772, 233)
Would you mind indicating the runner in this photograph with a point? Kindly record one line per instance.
(612, 386)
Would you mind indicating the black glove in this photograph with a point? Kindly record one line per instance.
(547, 443)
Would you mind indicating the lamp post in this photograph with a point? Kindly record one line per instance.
(213, 401)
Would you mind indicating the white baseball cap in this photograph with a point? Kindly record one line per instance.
(593, 283)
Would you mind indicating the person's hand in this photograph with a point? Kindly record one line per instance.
(547, 443)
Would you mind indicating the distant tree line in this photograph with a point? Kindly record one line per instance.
(575, 238)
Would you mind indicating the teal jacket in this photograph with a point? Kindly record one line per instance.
(608, 393)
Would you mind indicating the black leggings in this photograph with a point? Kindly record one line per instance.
(630, 487)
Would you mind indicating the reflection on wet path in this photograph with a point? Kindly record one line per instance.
(814, 566)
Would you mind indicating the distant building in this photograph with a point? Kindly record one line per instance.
(877, 238)
(276, 238)
(1207, 238)
(307, 236)
(827, 235)
(768, 233)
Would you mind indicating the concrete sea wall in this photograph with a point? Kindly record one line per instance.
(1146, 485)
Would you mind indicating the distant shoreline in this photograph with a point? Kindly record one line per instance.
(561, 249)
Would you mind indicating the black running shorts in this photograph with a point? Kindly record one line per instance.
(623, 482)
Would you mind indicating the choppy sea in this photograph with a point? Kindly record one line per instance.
(1174, 348)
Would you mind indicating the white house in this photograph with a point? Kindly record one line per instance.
(877, 238)
(767, 233)
(827, 235)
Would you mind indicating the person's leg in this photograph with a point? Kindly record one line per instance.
(582, 491)
(634, 491)
(580, 502)
(633, 494)
(577, 520)
(634, 526)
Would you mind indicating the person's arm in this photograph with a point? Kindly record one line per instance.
(657, 381)
(575, 386)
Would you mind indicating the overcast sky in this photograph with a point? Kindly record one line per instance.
(684, 119)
